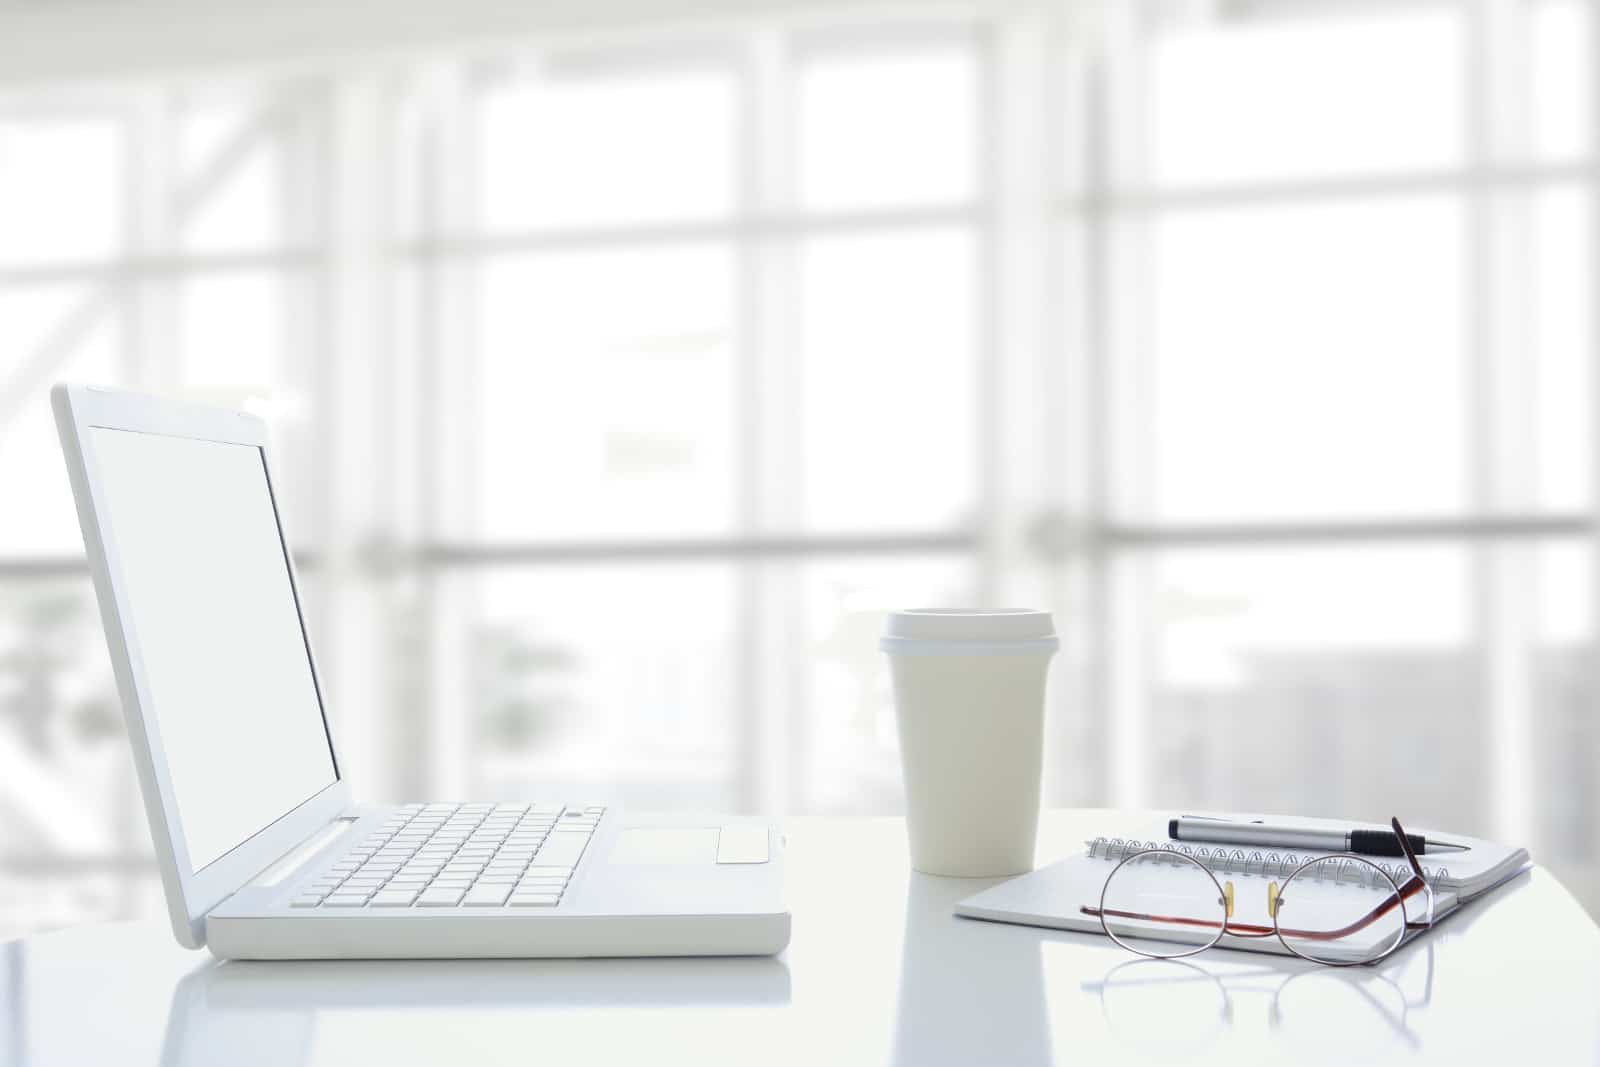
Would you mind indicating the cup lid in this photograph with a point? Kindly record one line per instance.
(970, 624)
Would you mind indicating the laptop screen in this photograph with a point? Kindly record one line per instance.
(215, 619)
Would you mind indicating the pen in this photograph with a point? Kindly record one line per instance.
(1265, 835)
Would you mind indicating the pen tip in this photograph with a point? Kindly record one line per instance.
(1446, 846)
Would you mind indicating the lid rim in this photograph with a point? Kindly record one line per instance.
(981, 625)
(917, 646)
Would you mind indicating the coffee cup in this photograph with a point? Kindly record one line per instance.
(969, 689)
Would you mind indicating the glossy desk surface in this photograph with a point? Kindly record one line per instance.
(878, 972)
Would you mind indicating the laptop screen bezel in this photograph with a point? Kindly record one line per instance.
(190, 893)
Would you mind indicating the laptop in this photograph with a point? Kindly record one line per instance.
(264, 853)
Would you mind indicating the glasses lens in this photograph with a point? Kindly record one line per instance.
(1341, 911)
(1162, 904)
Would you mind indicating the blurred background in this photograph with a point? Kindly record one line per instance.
(626, 360)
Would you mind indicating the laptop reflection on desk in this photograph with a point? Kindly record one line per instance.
(247, 1013)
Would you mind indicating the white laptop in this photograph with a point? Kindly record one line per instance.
(263, 852)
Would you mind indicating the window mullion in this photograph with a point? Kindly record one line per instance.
(1591, 772)
(767, 700)
(444, 496)
(1127, 306)
(1499, 420)
(153, 355)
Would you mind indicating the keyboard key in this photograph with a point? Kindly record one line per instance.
(437, 896)
(486, 896)
(346, 900)
(562, 849)
(535, 900)
(310, 900)
(393, 898)
(539, 870)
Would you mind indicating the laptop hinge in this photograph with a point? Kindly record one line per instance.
(280, 869)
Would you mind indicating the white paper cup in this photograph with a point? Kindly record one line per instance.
(969, 700)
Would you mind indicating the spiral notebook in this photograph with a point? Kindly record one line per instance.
(1052, 896)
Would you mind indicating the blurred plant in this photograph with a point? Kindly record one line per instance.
(96, 719)
(49, 640)
(852, 644)
(515, 675)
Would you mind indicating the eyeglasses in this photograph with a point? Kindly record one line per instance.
(1340, 910)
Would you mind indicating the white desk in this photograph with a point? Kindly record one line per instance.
(879, 972)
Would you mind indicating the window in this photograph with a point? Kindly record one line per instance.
(1350, 395)
(619, 386)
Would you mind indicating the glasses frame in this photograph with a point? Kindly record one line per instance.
(1414, 885)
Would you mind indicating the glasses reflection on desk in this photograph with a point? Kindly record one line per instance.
(1198, 1003)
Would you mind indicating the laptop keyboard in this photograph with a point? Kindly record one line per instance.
(459, 856)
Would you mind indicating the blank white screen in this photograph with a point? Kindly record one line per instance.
(213, 621)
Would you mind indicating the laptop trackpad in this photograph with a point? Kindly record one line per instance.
(666, 844)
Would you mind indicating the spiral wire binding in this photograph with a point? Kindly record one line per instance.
(1265, 865)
